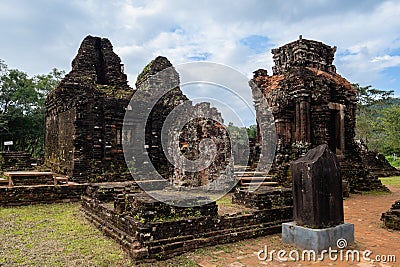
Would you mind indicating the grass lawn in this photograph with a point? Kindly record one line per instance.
(394, 181)
(57, 235)
(54, 235)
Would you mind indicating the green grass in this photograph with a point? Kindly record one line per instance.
(225, 200)
(394, 161)
(375, 193)
(393, 181)
(54, 235)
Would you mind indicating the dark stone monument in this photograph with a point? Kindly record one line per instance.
(317, 203)
(317, 189)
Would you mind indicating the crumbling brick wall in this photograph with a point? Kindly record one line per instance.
(391, 218)
(160, 76)
(217, 163)
(15, 161)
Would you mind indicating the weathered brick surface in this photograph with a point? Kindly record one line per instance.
(264, 198)
(147, 238)
(15, 161)
(84, 116)
(159, 83)
(146, 208)
(376, 163)
(312, 105)
(391, 218)
(28, 195)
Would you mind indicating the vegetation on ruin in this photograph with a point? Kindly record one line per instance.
(145, 71)
(394, 160)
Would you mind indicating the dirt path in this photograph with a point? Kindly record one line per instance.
(364, 211)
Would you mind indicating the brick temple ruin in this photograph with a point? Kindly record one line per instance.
(312, 105)
(84, 116)
(148, 228)
(376, 162)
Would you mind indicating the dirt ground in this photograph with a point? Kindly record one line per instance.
(364, 211)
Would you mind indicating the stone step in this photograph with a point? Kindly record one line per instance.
(250, 172)
(240, 167)
(255, 184)
(61, 180)
(153, 184)
(255, 178)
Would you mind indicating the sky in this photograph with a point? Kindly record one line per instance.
(37, 36)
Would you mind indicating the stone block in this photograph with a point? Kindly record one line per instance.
(317, 189)
(317, 239)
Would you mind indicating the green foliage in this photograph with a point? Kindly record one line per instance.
(390, 123)
(369, 96)
(241, 135)
(252, 131)
(394, 160)
(22, 107)
(375, 125)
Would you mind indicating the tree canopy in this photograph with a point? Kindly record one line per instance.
(22, 107)
(378, 119)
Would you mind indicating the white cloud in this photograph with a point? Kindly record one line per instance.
(365, 32)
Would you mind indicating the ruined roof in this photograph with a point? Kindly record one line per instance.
(297, 64)
(270, 83)
(303, 52)
(96, 56)
(156, 65)
(335, 78)
(95, 68)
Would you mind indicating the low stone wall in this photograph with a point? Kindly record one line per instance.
(15, 161)
(147, 240)
(33, 180)
(391, 218)
(36, 194)
(264, 198)
(377, 164)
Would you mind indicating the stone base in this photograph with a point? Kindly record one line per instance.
(317, 239)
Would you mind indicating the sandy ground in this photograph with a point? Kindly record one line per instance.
(364, 211)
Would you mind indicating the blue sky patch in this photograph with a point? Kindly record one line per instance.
(177, 29)
(257, 43)
(345, 53)
(391, 80)
(200, 56)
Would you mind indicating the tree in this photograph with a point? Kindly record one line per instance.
(369, 104)
(252, 131)
(390, 123)
(22, 107)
